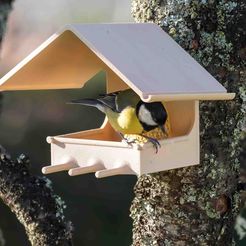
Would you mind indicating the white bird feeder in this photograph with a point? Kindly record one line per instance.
(140, 56)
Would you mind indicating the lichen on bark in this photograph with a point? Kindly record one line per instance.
(198, 205)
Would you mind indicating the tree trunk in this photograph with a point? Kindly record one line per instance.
(198, 205)
(31, 198)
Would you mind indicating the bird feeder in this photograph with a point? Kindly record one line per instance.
(140, 56)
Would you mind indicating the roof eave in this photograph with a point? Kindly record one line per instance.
(184, 97)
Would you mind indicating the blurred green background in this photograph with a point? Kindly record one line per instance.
(98, 208)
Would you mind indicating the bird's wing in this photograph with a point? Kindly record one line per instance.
(127, 98)
(116, 101)
(109, 100)
(119, 100)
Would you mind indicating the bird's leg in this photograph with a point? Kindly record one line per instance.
(122, 136)
(126, 139)
(154, 141)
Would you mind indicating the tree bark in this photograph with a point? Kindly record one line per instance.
(197, 205)
(31, 198)
(34, 203)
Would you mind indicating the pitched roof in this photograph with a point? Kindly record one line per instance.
(142, 55)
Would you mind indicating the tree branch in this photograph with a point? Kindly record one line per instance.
(34, 203)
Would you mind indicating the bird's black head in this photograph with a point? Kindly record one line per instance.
(151, 115)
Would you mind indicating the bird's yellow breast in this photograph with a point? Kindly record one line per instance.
(125, 122)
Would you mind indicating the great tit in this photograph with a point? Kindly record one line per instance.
(128, 114)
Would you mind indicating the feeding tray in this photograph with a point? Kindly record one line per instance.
(138, 56)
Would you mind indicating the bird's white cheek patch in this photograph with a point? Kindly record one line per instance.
(145, 116)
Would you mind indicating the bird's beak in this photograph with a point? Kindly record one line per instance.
(162, 127)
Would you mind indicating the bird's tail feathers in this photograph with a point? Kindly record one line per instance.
(89, 102)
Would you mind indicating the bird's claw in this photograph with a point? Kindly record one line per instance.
(127, 141)
(133, 141)
(154, 141)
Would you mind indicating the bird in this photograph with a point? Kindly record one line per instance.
(128, 114)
